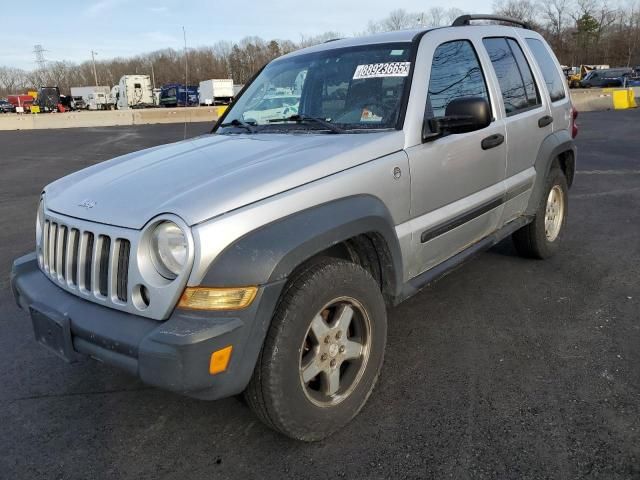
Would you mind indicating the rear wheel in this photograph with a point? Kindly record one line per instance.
(323, 352)
(541, 238)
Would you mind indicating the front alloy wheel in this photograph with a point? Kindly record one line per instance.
(323, 351)
(335, 351)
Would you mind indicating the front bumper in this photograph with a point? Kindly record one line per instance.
(173, 354)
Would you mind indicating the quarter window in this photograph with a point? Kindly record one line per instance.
(519, 90)
(552, 78)
(455, 73)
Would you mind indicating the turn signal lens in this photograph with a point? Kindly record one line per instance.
(220, 360)
(205, 298)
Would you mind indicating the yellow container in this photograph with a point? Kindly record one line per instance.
(220, 110)
(620, 99)
(35, 109)
(632, 98)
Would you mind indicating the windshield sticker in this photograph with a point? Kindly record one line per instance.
(395, 53)
(368, 116)
(377, 70)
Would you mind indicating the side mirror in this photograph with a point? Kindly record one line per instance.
(462, 115)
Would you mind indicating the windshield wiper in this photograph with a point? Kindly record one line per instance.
(239, 123)
(304, 118)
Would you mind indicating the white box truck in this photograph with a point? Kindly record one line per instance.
(216, 92)
(92, 98)
(133, 91)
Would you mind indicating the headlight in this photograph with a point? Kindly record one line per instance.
(168, 249)
(40, 222)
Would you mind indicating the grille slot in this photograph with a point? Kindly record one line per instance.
(75, 249)
(103, 275)
(90, 263)
(87, 265)
(123, 269)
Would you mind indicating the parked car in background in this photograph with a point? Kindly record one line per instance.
(216, 92)
(48, 99)
(21, 102)
(93, 97)
(611, 77)
(6, 107)
(176, 95)
(133, 91)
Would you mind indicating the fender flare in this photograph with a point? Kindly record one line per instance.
(552, 147)
(271, 252)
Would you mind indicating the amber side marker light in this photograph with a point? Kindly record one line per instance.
(213, 298)
(220, 360)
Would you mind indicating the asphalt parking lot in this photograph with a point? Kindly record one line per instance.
(506, 368)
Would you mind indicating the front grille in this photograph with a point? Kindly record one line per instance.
(89, 262)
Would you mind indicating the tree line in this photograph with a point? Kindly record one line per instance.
(580, 32)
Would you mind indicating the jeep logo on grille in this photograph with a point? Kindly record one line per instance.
(87, 204)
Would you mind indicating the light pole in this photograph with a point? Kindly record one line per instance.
(153, 75)
(95, 73)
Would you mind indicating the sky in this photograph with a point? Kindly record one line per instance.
(69, 30)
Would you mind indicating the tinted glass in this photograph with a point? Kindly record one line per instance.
(552, 78)
(455, 73)
(355, 88)
(518, 88)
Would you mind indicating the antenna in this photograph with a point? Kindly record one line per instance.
(39, 50)
(186, 78)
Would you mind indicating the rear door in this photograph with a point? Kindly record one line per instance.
(549, 68)
(456, 184)
(528, 118)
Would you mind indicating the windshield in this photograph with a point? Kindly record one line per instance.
(356, 88)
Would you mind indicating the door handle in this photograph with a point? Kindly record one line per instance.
(544, 121)
(492, 141)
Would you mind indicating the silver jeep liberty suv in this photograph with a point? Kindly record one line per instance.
(261, 258)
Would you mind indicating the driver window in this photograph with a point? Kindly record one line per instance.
(455, 73)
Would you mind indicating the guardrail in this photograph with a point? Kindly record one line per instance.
(586, 100)
(109, 118)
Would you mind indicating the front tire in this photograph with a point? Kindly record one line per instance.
(541, 238)
(323, 352)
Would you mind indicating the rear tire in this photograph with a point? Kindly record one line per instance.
(323, 351)
(541, 238)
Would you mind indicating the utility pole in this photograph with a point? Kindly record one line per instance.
(153, 75)
(95, 73)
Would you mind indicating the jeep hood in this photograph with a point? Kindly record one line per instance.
(207, 176)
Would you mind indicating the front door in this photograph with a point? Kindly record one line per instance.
(456, 180)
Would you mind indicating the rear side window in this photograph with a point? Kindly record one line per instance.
(519, 90)
(552, 78)
(455, 73)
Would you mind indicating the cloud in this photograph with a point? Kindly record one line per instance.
(98, 8)
(160, 38)
(159, 10)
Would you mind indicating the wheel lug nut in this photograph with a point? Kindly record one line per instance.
(327, 339)
(342, 348)
(332, 363)
(338, 334)
(323, 357)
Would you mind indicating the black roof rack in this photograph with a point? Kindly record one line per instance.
(466, 20)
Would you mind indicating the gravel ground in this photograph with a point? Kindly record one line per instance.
(506, 368)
